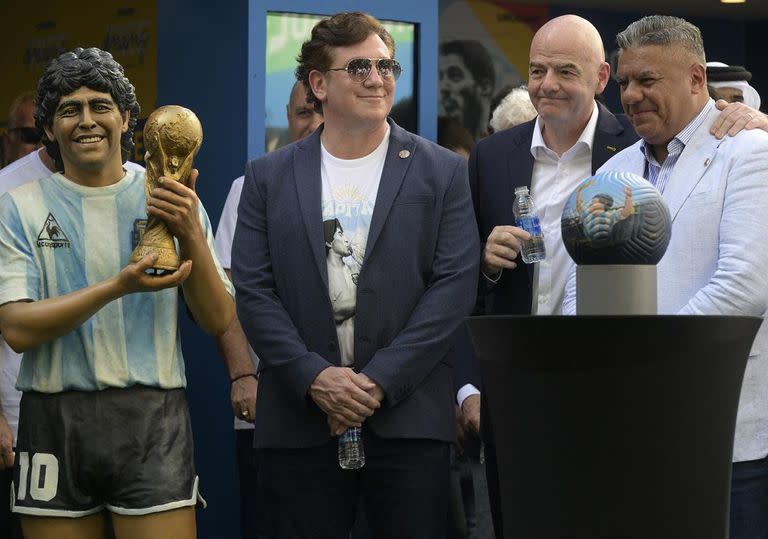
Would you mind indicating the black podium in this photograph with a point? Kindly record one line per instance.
(613, 427)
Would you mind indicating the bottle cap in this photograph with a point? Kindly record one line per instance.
(523, 189)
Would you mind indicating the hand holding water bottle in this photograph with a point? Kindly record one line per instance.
(532, 250)
(502, 248)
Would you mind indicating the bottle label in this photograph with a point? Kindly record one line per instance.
(352, 434)
(529, 223)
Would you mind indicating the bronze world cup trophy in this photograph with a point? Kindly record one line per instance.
(172, 137)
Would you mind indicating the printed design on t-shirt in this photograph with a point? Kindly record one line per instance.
(353, 208)
(51, 235)
(139, 226)
(348, 199)
(343, 271)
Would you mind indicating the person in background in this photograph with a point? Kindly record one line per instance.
(516, 108)
(21, 136)
(731, 84)
(239, 358)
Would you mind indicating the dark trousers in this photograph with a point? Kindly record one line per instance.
(254, 505)
(749, 500)
(470, 516)
(403, 487)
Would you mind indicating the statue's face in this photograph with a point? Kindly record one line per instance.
(172, 137)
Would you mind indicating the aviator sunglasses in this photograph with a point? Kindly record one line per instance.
(28, 135)
(359, 69)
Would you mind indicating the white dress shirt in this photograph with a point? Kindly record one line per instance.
(553, 180)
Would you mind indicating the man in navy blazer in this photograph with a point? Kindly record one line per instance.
(355, 258)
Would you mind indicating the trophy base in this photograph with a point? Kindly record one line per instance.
(167, 259)
(616, 289)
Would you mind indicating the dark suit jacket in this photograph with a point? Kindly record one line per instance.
(418, 280)
(498, 165)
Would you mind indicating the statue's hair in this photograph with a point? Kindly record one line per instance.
(94, 69)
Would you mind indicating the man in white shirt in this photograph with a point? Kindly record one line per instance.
(21, 136)
(25, 162)
(238, 356)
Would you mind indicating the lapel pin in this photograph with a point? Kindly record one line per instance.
(611, 148)
(706, 162)
(404, 154)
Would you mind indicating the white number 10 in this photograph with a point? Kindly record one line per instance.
(40, 462)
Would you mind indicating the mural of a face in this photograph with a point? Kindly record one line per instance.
(460, 94)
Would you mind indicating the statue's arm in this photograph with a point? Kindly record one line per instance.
(205, 292)
(27, 324)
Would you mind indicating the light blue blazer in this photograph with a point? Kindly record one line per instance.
(717, 259)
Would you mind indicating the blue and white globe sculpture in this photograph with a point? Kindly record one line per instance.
(616, 218)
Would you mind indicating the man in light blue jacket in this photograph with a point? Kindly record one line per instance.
(717, 193)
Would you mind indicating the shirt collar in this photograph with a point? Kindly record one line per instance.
(586, 138)
(678, 144)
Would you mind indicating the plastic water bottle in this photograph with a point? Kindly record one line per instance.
(351, 453)
(532, 250)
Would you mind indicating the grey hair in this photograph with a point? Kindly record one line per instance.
(663, 30)
(514, 109)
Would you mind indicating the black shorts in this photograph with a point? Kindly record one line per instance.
(129, 451)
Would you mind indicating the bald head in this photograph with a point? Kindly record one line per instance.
(302, 117)
(573, 34)
(567, 68)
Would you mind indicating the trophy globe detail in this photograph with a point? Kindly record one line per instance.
(616, 227)
(172, 137)
(616, 218)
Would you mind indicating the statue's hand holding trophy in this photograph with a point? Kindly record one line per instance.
(172, 137)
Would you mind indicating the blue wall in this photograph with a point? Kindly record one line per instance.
(211, 59)
(202, 66)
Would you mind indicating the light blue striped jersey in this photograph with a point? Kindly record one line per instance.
(58, 237)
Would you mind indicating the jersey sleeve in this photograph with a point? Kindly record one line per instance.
(20, 277)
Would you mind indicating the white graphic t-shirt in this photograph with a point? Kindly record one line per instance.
(349, 195)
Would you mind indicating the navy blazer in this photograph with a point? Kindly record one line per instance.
(417, 282)
(502, 162)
